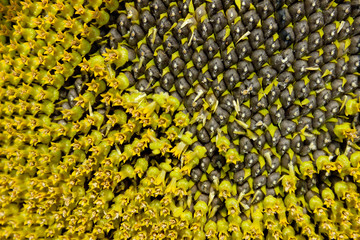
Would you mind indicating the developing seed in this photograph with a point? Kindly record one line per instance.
(275, 163)
(182, 86)
(176, 66)
(243, 49)
(315, 41)
(204, 164)
(301, 49)
(282, 17)
(218, 161)
(123, 24)
(211, 48)
(301, 30)
(204, 187)
(218, 22)
(171, 45)
(296, 144)
(277, 115)
(353, 64)
(161, 59)
(167, 81)
(282, 146)
(147, 21)
(264, 9)
(256, 38)
(157, 7)
(284, 79)
(250, 158)
(297, 11)
(250, 18)
(273, 180)
(256, 170)
(216, 67)
(316, 21)
(174, 13)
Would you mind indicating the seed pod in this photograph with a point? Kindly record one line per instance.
(330, 33)
(285, 78)
(180, 31)
(136, 34)
(237, 31)
(191, 75)
(297, 11)
(315, 41)
(123, 24)
(250, 158)
(138, 70)
(267, 74)
(351, 83)
(157, 8)
(218, 21)
(218, 161)
(345, 31)
(211, 126)
(275, 163)
(311, 6)
(301, 30)
(269, 27)
(343, 11)
(210, 48)
(301, 90)
(301, 187)
(258, 196)
(205, 29)
(259, 182)
(186, 52)
(256, 170)
(229, 57)
(287, 127)
(315, 60)
(199, 59)
(277, 115)
(282, 17)
(316, 81)
(283, 145)
(354, 63)
(152, 73)
(265, 9)
(323, 140)
(276, 62)
(231, 78)
(219, 88)
(272, 46)
(239, 177)
(273, 180)
(304, 122)
(256, 38)
(204, 164)
(316, 21)
(163, 25)
(167, 81)
(223, 39)
(286, 160)
(174, 13)
(250, 18)
(333, 107)
(330, 15)
(161, 59)
(214, 176)
(196, 174)
(170, 45)
(244, 188)
(146, 20)
(245, 68)
(296, 144)
(204, 187)
(287, 37)
(216, 67)
(205, 80)
(227, 103)
(286, 98)
(323, 97)
(259, 58)
(260, 142)
(182, 87)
